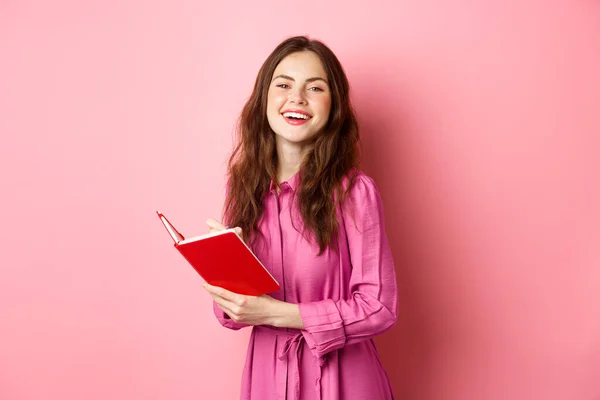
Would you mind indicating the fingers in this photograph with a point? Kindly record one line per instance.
(226, 311)
(223, 293)
(231, 308)
(230, 313)
(237, 306)
(227, 306)
(215, 225)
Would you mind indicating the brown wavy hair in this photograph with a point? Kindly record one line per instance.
(335, 154)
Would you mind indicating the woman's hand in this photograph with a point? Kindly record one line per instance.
(216, 226)
(253, 310)
(256, 310)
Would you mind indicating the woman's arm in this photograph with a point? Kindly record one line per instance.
(255, 310)
(371, 307)
(331, 324)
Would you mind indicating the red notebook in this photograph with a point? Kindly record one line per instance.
(223, 259)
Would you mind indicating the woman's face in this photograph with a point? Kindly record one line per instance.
(299, 98)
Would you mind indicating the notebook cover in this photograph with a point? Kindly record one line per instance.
(225, 261)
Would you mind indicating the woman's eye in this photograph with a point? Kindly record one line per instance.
(283, 85)
(315, 89)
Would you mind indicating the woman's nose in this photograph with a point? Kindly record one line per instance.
(297, 97)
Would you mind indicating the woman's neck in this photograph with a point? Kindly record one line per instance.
(289, 159)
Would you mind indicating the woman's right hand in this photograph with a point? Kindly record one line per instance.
(216, 226)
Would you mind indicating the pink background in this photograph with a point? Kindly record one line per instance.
(481, 125)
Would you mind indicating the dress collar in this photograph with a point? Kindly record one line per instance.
(293, 182)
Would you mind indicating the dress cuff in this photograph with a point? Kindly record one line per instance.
(323, 326)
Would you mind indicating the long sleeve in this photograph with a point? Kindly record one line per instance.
(371, 306)
(225, 320)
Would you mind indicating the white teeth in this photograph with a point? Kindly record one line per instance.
(295, 115)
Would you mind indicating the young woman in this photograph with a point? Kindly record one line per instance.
(316, 222)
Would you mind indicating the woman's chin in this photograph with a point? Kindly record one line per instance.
(295, 138)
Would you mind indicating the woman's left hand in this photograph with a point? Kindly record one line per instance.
(251, 310)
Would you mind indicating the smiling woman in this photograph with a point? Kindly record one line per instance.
(316, 222)
(300, 94)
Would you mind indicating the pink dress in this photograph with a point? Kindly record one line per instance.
(345, 299)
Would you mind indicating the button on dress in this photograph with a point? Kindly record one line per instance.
(345, 297)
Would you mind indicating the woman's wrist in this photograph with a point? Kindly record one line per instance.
(287, 315)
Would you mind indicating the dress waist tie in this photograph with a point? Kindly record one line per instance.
(293, 346)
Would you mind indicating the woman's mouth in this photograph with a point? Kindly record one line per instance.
(295, 118)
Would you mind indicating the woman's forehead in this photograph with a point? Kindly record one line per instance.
(300, 65)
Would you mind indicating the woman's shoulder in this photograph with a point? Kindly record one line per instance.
(357, 181)
(359, 189)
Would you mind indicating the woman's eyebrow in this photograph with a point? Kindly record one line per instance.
(315, 78)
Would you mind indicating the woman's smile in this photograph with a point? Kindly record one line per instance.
(296, 117)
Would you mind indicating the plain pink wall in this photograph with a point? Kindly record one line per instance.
(481, 125)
